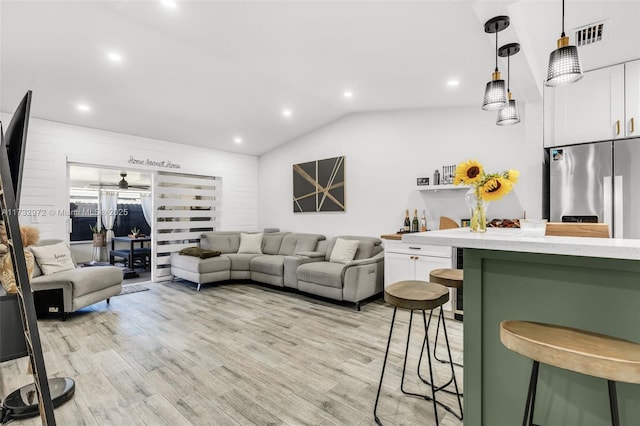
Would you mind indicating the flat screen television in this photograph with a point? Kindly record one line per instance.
(15, 140)
(12, 344)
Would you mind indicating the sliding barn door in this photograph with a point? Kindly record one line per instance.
(185, 206)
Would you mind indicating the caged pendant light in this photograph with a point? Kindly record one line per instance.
(564, 62)
(495, 95)
(509, 114)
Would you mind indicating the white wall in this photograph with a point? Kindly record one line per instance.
(385, 153)
(51, 144)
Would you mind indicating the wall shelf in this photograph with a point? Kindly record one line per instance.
(439, 187)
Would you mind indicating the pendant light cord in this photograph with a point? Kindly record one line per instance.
(497, 46)
(508, 73)
(563, 35)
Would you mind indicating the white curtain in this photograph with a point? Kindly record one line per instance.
(145, 202)
(109, 206)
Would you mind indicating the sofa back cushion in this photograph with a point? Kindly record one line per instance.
(224, 242)
(367, 246)
(272, 241)
(297, 242)
(53, 258)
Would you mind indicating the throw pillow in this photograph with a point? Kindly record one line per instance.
(6, 271)
(53, 258)
(199, 252)
(343, 251)
(250, 243)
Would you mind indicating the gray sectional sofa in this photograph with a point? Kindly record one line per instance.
(292, 260)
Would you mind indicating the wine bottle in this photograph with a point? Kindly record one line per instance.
(423, 222)
(415, 224)
(407, 222)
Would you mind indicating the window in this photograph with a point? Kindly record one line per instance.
(84, 214)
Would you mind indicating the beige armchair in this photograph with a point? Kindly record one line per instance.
(79, 287)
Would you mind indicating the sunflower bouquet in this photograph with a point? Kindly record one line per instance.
(485, 187)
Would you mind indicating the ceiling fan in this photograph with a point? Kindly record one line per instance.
(123, 184)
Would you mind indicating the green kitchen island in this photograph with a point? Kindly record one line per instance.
(588, 283)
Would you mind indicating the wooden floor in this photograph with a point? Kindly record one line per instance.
(232, 354)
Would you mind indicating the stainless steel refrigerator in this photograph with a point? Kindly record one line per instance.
(597, 182)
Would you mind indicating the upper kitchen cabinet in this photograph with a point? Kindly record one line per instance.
(632, 98)
(592, 109)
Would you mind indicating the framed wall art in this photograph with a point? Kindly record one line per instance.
(318, 186)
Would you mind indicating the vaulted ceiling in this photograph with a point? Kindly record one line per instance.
(206, 73)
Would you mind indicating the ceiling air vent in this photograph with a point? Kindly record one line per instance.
(589, 34)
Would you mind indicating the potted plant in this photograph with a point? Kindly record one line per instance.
(99, 235)
(135, 232)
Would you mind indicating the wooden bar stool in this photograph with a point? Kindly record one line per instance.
(448, 277)
(421, 296)
(598, 355)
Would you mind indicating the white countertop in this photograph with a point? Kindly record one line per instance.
(512, 239)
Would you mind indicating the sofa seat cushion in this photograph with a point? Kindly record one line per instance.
(322, 273)
(272, 264)
(201, 266)
(241, 261)
(85, 280)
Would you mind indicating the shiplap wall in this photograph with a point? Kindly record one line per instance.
(45, 196)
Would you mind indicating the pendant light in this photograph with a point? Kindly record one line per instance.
(564, 62)
(509, 114)
(495, 95)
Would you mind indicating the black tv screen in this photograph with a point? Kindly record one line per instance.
(15, 140)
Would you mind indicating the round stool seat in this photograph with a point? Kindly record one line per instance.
(448, 277)
(573, 349)
(417, 295)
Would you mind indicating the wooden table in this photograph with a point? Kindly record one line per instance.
(132, 242)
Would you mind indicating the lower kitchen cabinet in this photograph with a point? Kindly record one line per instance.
(404, 261)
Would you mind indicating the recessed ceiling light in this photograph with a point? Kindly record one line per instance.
(348, 94)
(286, 112)
(114, 57)
(83, 107)
(169, 4)
(453, 83)
(237, 140)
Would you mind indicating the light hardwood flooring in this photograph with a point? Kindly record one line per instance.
(233, 354)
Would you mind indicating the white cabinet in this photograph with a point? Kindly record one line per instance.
(632, 98)
(404, 261)
(603, 105)
(592, 109)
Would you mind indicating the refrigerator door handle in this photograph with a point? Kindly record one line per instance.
(618, 207)
(608, 201)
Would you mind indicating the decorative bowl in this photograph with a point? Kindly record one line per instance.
(533, 227)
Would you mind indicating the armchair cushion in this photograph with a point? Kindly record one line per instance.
(53, 258)
(83, 280)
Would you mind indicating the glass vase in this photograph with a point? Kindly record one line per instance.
(478, 210)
